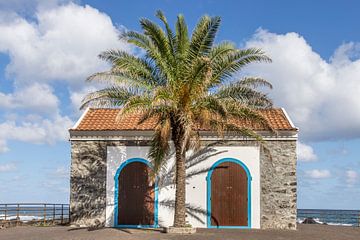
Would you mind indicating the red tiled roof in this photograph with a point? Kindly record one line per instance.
(104, 119)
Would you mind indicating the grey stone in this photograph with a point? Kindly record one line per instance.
(180, 230)
(278, 184)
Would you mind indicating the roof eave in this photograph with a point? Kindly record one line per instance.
(147, 135)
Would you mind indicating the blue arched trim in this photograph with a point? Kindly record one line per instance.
(208, 179)
(131, 160)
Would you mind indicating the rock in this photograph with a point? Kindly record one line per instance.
(309, 221)
(180, 230)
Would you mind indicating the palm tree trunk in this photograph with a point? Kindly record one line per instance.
(180, 210)
(180, 177)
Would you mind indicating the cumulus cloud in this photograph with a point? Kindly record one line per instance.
(320, 95)
(62, 44)
(305, 153)
(35, 129)
(37, 97)
(318, 173)
(352, 177)
(7, 167)
(60, 41)
(77, 96)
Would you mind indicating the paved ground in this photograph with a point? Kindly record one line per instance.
(308, 232)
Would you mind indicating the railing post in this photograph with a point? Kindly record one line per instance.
(53, 221)
(17, 214)
(5, 211)
(44, 214)
(62, 213)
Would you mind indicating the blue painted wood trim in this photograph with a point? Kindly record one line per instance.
(116, 177)
(208, 179)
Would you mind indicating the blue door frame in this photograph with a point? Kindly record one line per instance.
(208, 179)
(116, 178)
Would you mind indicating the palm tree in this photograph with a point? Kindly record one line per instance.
(183, 82)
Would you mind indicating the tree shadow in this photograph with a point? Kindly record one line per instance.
(166, 177)
(87, 205)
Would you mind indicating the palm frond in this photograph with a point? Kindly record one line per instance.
(203, 36)
(221, 49)
(238, 111)
(211, 103)
(244, 95)
(136, 103)
(160, 146)
(182, 38)
(158, 38)
(255, 82)
(125, 64)
(232, 62)
(108, 97)
(170, 35)
(152, 52)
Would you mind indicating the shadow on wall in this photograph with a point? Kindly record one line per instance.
(88, 182)
(166, 177)
(88, 186)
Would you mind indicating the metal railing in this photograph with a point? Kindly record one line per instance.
(46, 213)
(331, 217)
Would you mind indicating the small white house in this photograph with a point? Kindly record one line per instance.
(240, 185)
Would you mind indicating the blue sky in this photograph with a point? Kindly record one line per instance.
(48, 48)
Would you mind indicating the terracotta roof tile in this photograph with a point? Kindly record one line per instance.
(104, 119)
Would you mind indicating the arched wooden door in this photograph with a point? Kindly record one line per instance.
(136, 196)
(229, 195)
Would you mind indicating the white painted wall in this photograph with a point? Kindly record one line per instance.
(196, 191)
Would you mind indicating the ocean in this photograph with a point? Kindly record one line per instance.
(330, 217)
(28, 212)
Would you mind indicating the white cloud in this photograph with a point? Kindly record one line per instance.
(35, 129)
(77, 96)
(305, 153)
(62, 44)
(321, 96)
(36, 97)
(8, 167)
(3, 146)
(352, 177)
(60, 41)
(318, 173)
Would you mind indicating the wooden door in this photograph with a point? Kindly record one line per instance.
(136, 195)
(229, 195)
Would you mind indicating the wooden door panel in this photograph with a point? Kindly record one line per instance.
(219, 196)
(229, 195)
(238, 195)
(136, 195)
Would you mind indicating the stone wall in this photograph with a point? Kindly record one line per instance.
(88, 183)
(278, 185)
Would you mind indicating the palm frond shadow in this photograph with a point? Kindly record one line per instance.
(166, 177)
